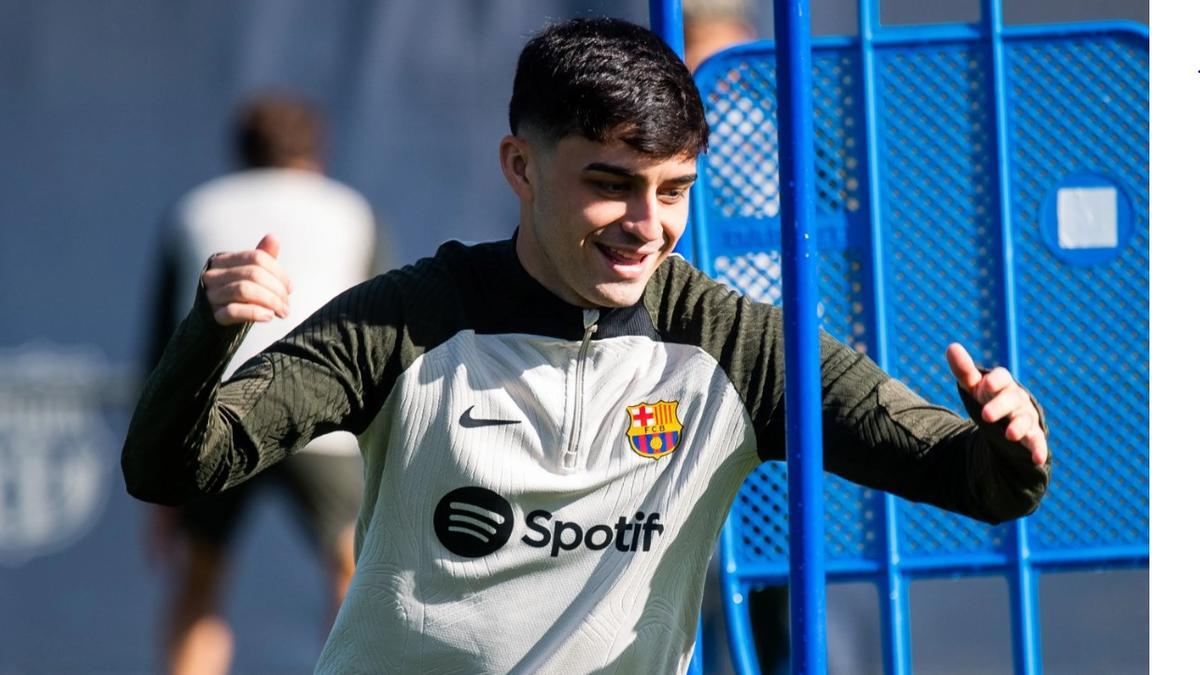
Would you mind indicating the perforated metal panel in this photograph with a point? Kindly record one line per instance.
(742, 173)
(1079, 106)
(941, 240)
(1074, 317)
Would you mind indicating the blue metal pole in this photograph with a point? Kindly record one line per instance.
(666, 20)
(1023, 595)
(893, 585)
(793, 57)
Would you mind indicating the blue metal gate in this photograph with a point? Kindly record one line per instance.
(973, 182)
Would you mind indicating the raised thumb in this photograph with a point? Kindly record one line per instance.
(270, 244)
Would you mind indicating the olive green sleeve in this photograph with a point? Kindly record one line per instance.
(876, 431)
(192, 435)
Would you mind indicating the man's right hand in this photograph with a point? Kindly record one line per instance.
(247, 285)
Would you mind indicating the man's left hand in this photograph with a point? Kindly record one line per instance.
(1003, 401)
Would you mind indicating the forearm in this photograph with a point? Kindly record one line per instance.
(175, 434)
(191, 435)
(880, 434)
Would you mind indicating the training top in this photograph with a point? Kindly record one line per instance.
(544, 483)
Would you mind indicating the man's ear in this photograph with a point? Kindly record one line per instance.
(516, 161)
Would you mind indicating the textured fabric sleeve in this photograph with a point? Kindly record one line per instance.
(876, 431)
(880, 434)
(191, 435)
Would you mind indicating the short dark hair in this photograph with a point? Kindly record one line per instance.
(277, 129)
(608, 79)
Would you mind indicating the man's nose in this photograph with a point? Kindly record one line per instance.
(642, 218)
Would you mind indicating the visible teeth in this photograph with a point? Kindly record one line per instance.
(622, 256)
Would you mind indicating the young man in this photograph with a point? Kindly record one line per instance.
(554, 426)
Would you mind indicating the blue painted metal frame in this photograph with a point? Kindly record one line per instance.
(1023, 596)
(806, 479)
(893, 571)
(892, 586)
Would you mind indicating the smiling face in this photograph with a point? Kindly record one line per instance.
(597, 219)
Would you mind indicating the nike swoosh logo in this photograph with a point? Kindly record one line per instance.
(472, 422)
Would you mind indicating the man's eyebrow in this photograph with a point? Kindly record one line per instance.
(686, 178)
(609, 168)
(622, 171)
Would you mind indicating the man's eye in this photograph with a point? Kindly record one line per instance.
(673, 195)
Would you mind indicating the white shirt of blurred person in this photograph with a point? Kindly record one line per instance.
(328, 236)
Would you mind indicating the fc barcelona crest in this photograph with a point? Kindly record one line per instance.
(654, 428)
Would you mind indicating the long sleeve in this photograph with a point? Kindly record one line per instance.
(192, 435)
(880, 434)
(876, 431)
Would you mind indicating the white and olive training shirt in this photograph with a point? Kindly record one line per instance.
(544, 483)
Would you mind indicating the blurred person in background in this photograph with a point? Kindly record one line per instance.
(328, 234)
(712, 25)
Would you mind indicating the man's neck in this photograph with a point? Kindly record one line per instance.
(532, 258)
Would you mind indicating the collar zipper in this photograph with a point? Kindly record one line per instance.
(591, 319)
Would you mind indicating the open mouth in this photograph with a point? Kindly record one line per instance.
(622, 258)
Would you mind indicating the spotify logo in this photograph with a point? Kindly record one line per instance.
(473, 522)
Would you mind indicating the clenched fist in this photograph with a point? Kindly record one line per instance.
(247, 285)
